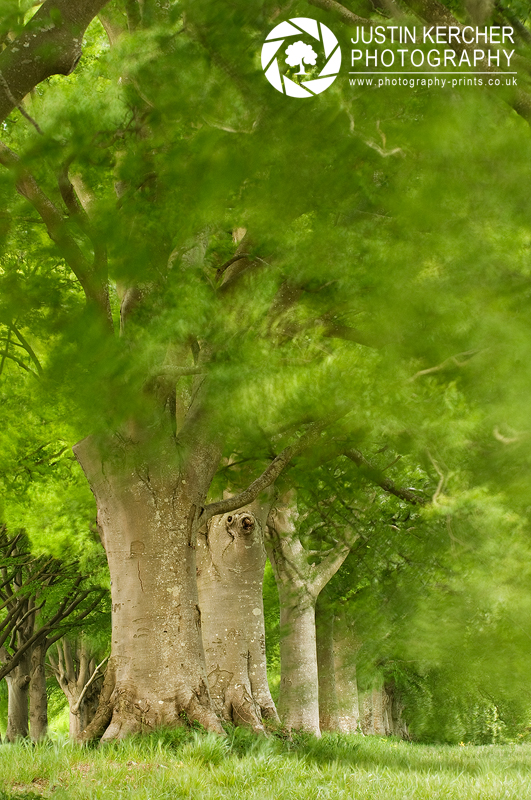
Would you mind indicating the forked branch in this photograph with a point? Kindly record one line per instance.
(95, 289)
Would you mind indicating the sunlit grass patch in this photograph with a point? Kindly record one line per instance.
(196, 766)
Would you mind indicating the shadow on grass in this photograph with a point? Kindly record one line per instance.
(374, 752)
(19, 795)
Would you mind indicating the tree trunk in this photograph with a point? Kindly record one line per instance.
(38, 700)
(148, 518)
(87, 710)
(104, 710)
(74, 667)
(231, 561)
(299, 682)
(397, 723)
(328, 703)
(17, 700)
(299, 584)
(382, 711)
(346, 647)
(375, 718)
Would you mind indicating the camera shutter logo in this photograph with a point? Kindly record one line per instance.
(300, 53)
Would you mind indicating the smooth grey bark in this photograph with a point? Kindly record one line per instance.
(18, 677)
(38, 700)
(231, 561)
(50, 44)
(381, 711)
(148, 509)
(375, 718)
(328, 700)
(17, 700)
(75, 668)
(397, 722)
(299, 681)
(151, 504)
(104, 709)
(299, 583)
(377, 710)
(346, 647)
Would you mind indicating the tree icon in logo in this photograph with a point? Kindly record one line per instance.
(326, 55)
(299, 54)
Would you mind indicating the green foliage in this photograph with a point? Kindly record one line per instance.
(58, 715)
(272, 630)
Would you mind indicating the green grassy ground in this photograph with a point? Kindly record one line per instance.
(199, 767)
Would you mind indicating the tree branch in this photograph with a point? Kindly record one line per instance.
(75, 707)
(349, 334)
(27, 347)
(41, 567)
(78, 212)
(346, 16)
(375, 475)
(445, 363)
(95, 290)
(433, 12)
(50, 44)
(515, 22)
(227, 264)
(5, 354)
(268, 476)
(19, 105)
(327, 568)
(39, 636)
(173, 373)
(28, 613)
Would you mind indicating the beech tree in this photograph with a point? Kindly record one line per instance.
(205, 270)
(231, 561)
(337, 511)
(40, 599)
(300, 579)
(79, 677)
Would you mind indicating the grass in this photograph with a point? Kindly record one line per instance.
(195, 766)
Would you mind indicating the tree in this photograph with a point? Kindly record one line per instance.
(299, 54)
(172, 340)
(300, 579)
(231, 561)
(79, 677)
(40, 599)
(305, 555)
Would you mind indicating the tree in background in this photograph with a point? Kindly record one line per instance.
(41, 599)
(79, 678)
(300, 576)
(231, 561)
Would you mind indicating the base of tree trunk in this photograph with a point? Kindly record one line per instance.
(146, 515)
(17, 701)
